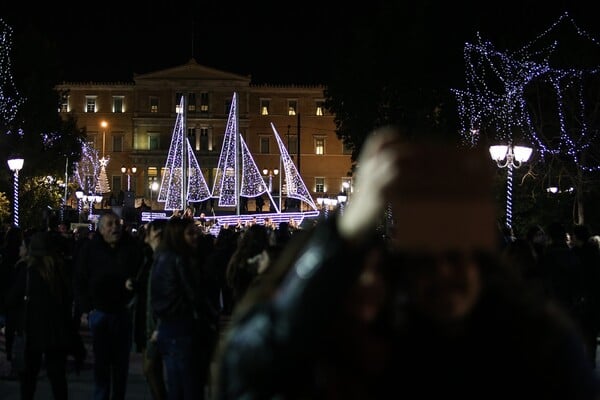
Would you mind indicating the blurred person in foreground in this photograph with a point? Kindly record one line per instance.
(426, 310)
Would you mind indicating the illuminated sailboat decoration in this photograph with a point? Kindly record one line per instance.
(231, 183)
(227, 181)
(296, 188)
(177, 189)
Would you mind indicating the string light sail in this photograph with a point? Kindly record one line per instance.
(228, 177)
(296, 188)
(498, 82)
(172, 183)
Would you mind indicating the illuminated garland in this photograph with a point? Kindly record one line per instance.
(87, 170)
(495, 99)
(10, 100)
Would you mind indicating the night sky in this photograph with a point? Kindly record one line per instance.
(275, 42)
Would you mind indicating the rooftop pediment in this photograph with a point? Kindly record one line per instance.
(191, 71)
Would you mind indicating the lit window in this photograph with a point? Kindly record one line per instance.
(320, 108)
(90, 104)
(292, 107)
(118, 104)
(191, 102)
(64, 103)
(204, 102)
(319, 184)
(320, 146)
(153, 104)
(264, 106)
(178, 97)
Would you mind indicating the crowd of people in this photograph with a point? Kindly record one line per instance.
(161, 290)
(412, 291)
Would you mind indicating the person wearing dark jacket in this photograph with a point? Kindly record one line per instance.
(184, 334)
(106, 269)
(45, 318)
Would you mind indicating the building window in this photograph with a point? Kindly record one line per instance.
(191, 135)
(118, 104)
(116, 183)
(319, 184)
(204, 102)
(64, 104)
(292, 107)
(204, 143)
(264, 145)
(292, 144)
(191, 106)
(264, 106)
(90, 104)
(178, 97)
(320, 108)
(117, 143)
(153, 104)
(319, 145)
(153, 142)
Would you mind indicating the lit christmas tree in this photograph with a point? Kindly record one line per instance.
(102, 185)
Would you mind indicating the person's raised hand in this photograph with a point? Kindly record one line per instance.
(377, 170)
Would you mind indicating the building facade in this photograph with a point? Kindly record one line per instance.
(131, 124)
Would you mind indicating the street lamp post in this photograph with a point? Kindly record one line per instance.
(91, 199)
(79, 195)
(270, 174)
(15, 165)
(153, 188)
(510, 157)
(129, 172)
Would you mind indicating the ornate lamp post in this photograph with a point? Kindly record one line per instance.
(129, 172)
(15, 165)
(79, 194)
(510, 157)
(270, 173)
(153, 188)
